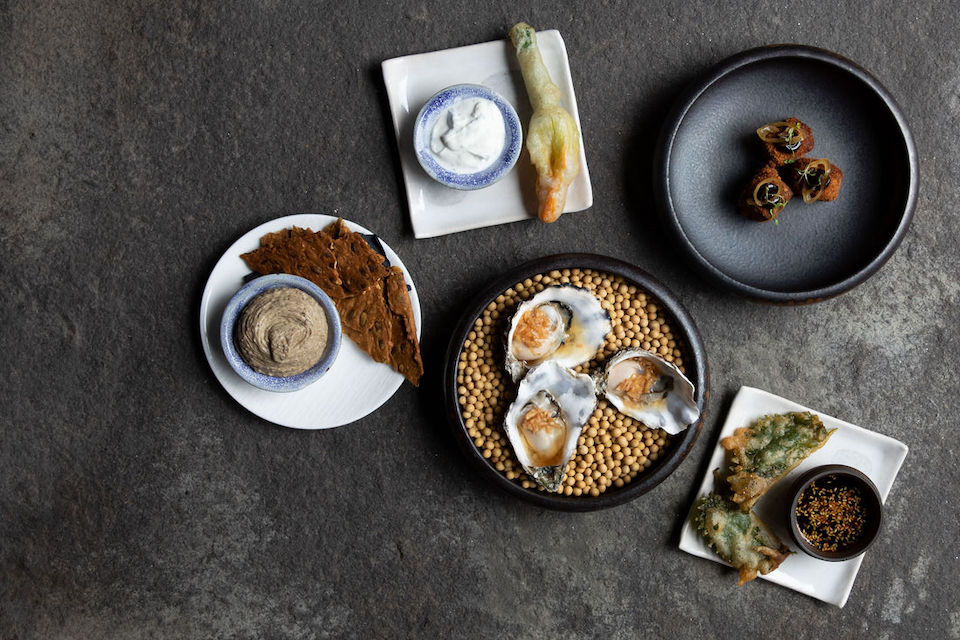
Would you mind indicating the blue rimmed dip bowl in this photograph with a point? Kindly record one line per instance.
(231, 316)
(436, 107)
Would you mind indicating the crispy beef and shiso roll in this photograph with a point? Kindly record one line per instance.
(765, 196)
(786, 140)
(816, 179)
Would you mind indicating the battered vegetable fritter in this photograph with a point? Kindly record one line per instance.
(741, 539)
(769, 449)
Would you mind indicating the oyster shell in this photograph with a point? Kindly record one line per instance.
(565, 324)
(647, 387)
(544, 423)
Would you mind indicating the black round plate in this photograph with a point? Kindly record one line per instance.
(695, 361)
(709, 150)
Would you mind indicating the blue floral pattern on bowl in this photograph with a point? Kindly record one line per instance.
(431, 112)
(239, 301)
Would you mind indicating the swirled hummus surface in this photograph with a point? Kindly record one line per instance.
(282, 332)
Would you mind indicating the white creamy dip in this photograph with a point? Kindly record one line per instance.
(468, 137)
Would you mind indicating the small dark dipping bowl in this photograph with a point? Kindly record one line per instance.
(708, 151)
(695, 363)
(833, 480)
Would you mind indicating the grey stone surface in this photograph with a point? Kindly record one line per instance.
(138, 500)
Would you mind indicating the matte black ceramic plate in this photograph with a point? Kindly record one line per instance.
(709, 150)
(695, 362)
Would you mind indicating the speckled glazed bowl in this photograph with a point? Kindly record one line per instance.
(239, 301)
(695, 359)
(430, 114)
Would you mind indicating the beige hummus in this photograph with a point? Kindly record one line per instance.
(282, 332)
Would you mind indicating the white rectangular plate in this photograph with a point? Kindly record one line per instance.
(876, 455)
(436, 210)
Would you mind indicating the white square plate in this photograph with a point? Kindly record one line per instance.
(436, 210)
(876, 455)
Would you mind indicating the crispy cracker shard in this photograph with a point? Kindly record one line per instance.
(553, 139)
(767, 450)
(741, 539)
(786, 140)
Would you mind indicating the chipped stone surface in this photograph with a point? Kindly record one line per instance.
(138, 500)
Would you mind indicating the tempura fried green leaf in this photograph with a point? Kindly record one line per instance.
(741, 539)
(769, 449)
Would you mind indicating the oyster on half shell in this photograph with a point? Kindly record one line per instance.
(644, 386)
(544, 423)
(565, 324)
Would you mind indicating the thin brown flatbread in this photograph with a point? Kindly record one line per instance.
(368, 323)
(358, 266)
(279, 237)
(337, 229)
(405, 355)
(299, 252)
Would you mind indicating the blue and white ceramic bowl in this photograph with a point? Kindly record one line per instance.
(435, 108)
(239, 301)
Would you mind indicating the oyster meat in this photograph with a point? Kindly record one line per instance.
(647, 387)
(544, 423)
(565, 324)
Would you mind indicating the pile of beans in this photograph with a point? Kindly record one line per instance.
(613, 449)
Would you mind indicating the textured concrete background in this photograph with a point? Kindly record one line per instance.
(138, 500)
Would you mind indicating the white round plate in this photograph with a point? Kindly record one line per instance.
(354, 386)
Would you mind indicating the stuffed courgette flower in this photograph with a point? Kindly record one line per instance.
(553, 139)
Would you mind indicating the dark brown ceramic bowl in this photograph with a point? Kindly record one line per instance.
(708, 150)
(695, 360)
(873, 507)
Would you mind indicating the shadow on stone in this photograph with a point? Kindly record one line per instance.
(375, 77)
(704, 461)
(638, 168)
